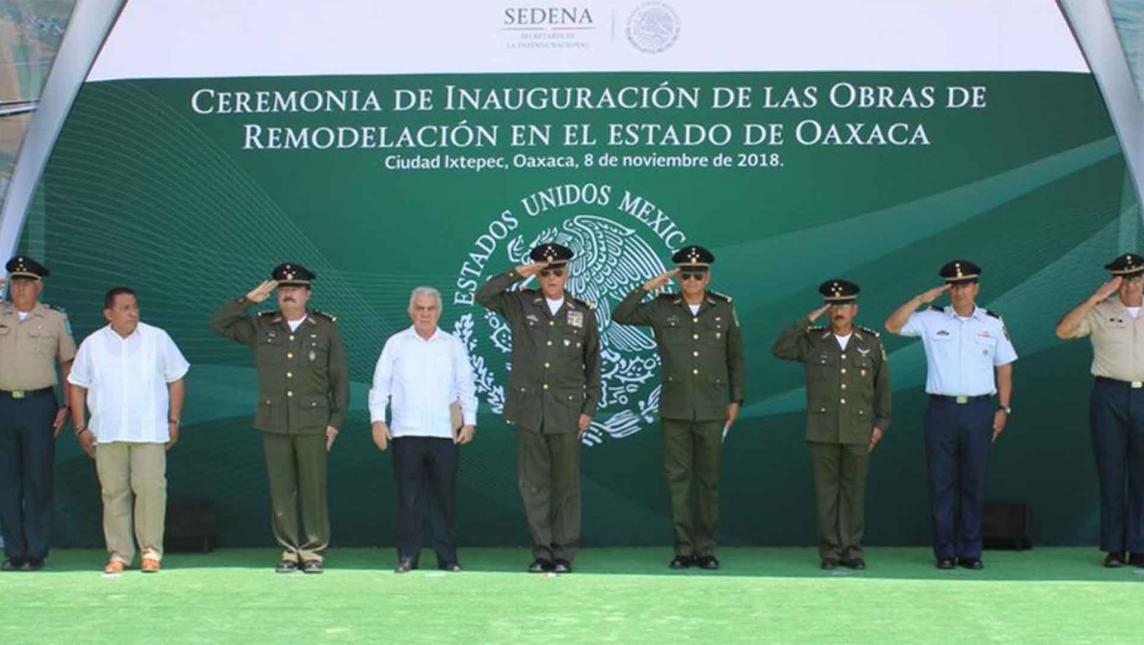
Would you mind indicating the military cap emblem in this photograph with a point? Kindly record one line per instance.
(555, 255)
(23, 266)
(838, 291)
(292, 274)
(693, 256)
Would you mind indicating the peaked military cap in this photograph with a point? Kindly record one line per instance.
(555, 255)
(1127, 265)
(958, 271)
(23, 266)
(838, 291)
(292, 274)
(693, 257)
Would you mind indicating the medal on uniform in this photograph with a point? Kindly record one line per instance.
(567, 342)
(576, 318)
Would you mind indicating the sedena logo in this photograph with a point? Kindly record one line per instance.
(619, 239)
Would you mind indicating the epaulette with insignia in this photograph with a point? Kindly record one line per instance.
(868, 331)
(329, 317)
(990, 312)
(585, 304)
(816, 328)
(937, 308)
(267, 313)
(58, 308)
(667, 296)
(721, 296)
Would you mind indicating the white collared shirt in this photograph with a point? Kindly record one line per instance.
(126, 381)
(419, 379)
(961, 352)
(843, 341)
(554, 305)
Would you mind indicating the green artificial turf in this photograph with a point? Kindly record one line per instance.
(622, 595)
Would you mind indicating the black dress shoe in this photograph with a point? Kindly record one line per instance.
(455, 567)
(1114, 560)
(829, 565)
(1136, 559)
(32, 564)
(286, 566)
(561, 565)
(708, 562)
(857, 564)
(945, 564)
(312, 566)
(404, 566)
(681, 562)
(11, 564)
(971, 563)
(541, 565)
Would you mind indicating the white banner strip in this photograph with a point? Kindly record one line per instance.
(237, 38)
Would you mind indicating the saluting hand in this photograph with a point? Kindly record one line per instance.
(531, 269)
(1107, 289)
(262, 291)
(813, 316)
(927, 297)
(660, 280)
(380, 434)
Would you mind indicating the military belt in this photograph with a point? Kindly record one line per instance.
(1135, 385)
(960, 400)
(25, 394)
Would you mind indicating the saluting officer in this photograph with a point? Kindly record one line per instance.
(969, 360)
(847, 410)
(700, 349)
(303, 394)
(1116, 409)
(553, 391)
(33, 338)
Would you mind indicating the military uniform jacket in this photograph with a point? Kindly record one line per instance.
(847, 391)
(303, 383)
(555, 358)
(29, 349)
(702, 354)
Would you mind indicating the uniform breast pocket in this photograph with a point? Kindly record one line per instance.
(863, 367)
(572, 341)
(269, 350)
(985, 347)
(714, 332)
(41, 340)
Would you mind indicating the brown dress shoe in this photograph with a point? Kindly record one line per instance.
(149, 565)
(114, 566)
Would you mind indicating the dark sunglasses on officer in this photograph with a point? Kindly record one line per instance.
(544, 273)
(692, 274)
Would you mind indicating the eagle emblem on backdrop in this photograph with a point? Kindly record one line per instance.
(610, 260)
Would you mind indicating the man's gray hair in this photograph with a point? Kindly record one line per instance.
(425, 291)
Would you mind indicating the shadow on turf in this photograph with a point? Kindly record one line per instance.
(899, 563)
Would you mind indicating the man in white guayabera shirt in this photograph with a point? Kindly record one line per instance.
(130, 375)
(422, 375)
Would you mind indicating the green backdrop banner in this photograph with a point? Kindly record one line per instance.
(190, 189)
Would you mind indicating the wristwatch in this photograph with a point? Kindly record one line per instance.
(173, 420)
(1008, 410)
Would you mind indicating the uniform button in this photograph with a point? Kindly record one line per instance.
(694, 320)
(549, 343)
(289, 393)
(695, 371)
(695, 353)
(547, 365)
(267, 401)
(546, 386)
(843, 401)
(844, 386)
(289, 374)
(844, 357)
(695, 336)
(289, 354)
(551, 323)
(843, 370)
(291, 336)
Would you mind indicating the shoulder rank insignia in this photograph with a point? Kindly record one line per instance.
(990, 312)
(329, 317)
(719, 296)
(937, 308)
(267, 313)
(868, 331)
(584, 303)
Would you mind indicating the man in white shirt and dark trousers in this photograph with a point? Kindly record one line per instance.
(421, 374)
(130, 375)
(969, 360)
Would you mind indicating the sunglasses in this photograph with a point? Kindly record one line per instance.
(691, 275)
(544, 273)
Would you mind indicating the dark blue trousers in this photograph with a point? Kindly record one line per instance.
(27, 453)
(1116, 414)
(426, 472)
(957, 439)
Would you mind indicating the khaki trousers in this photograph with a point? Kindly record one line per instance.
(133, 475)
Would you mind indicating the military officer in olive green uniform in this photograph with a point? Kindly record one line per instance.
(303, 394)
(34, 338)
(552, 396)
(848, 409)
(700, 347)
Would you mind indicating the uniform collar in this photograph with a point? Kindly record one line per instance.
(279, 318)
(978, 312)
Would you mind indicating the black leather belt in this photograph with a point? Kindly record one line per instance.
(960, 400)
(25, 394)
(1135, 385)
